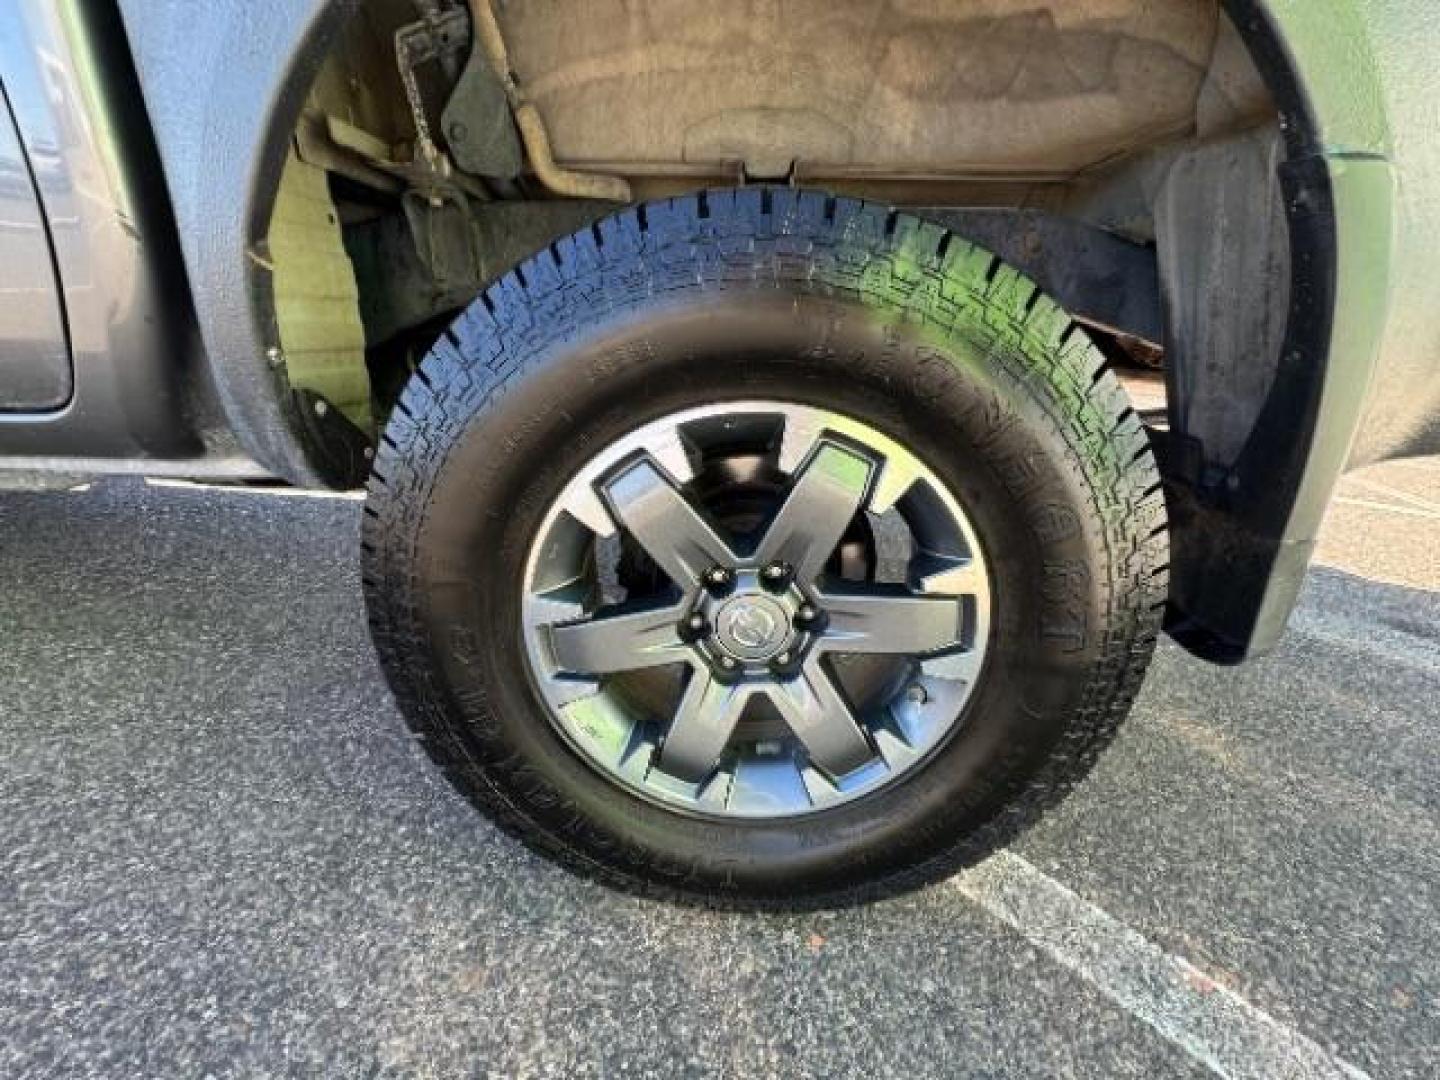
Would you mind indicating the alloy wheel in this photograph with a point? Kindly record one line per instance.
(756, 610)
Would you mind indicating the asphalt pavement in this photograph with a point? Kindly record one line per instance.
(221, 853)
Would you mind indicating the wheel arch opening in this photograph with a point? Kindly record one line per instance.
(398, 180)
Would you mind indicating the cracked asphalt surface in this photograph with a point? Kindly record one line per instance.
(220, 852)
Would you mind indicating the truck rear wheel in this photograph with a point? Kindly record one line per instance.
(764, 548)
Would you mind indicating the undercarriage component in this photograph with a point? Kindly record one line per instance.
(562, 181)
(435, 257)
(477, 126)
(856, 88)
(477, 123)
(315, 145)
(434, 38)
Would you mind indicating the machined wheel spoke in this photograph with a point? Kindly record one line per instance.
(891, 623)
(828, 493)
(949, 576)
(702, 726)
(821, 719)
(664, 523)
(625, 641)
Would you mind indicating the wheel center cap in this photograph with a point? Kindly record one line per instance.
(752, 627)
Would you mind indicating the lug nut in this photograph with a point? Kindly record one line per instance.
(775, 576)
(718, 579)
(693, 627)
(729, 663)
(806, 614)
(782, 664)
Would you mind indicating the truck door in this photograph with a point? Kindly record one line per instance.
(35, 367)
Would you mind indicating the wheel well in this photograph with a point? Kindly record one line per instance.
(1152, 166)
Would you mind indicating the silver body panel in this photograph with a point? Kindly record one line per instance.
(34, 357)
(138, 395)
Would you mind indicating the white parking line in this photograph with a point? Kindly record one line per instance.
(1423, 464)
(1389, 508)
(1395, 494)
(1211, 1023)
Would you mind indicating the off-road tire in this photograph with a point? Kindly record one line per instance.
(890, 318)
